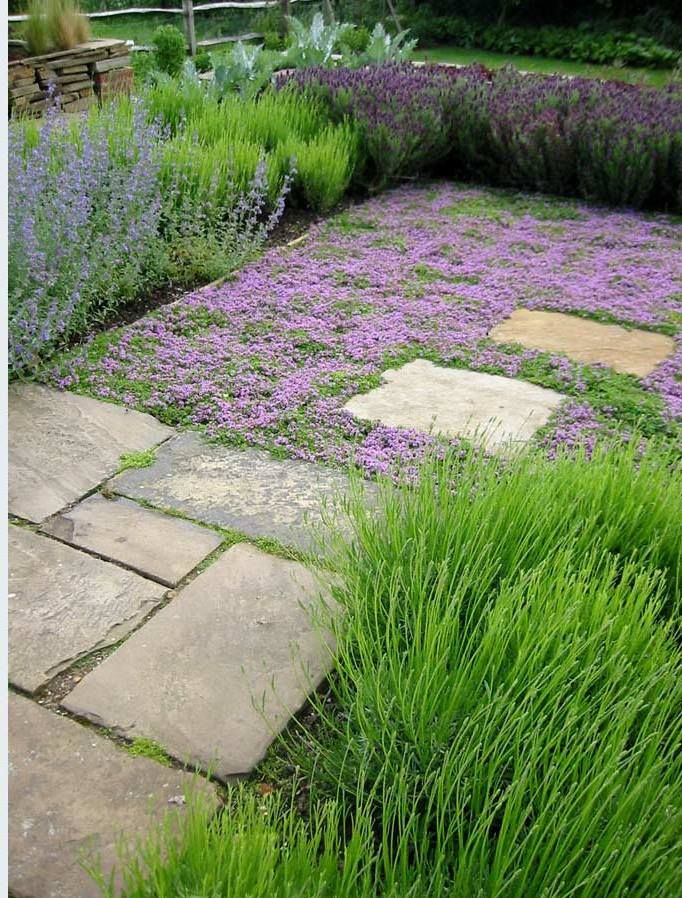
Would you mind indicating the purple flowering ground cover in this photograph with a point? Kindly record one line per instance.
(270, 358)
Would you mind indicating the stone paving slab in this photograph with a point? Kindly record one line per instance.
(72, 792)
(628, 351)
(64, 604)
(490, 410)
(156, 545)
(62, 445)
(199, 676)
(248, 491)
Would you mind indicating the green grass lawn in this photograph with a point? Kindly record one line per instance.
(651, 77)
(141, 28)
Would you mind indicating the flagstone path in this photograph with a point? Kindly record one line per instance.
(185, 569)
(229, 656)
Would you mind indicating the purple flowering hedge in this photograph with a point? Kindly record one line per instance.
(605, 141)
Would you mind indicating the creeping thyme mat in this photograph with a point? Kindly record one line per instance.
(270, 358)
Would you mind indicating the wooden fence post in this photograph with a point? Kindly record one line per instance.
(188, 15)
(329, 16)
(286, 12)
(394, 14)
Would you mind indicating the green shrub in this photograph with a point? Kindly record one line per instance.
(169, 49)
(144, 66)
(202, 61)
(580, 44)
(272, 40)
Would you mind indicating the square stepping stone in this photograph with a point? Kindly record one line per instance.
(157, 545)
(219, 671)
(74, 793)
(249, 491)
(628, 351)
(62, 445)
(64, 604)
(485, 408)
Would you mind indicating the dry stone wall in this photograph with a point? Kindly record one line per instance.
(96, 69)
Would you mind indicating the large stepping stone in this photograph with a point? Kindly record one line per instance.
(248, 491)
(219, 671)
(485, 408)
(628, 351)
(157, 545)
(64, 604)
(71, 793)
(62, 445)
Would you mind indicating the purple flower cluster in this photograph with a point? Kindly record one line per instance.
(270, 358)
(83, 220)
(605, 141)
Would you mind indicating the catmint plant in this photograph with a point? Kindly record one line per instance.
(83, 221)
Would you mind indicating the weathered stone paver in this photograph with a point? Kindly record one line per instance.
(159, 546)
(72, 792)
(628, 351)
(248, 491)
(62, 445)
(491, 410)
(64, 604)
(216, 673)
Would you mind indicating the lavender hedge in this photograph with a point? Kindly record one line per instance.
(604, 141)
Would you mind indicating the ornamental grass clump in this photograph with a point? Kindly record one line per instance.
(83, 220)
(55, 25)
(258, 847)
(506, 700)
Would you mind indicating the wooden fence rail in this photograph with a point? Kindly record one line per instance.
(200, 7)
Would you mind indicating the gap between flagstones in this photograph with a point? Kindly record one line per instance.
(50, 694)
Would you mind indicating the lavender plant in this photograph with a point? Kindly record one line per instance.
(83, 221)
(605, 141)
(400, 110)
